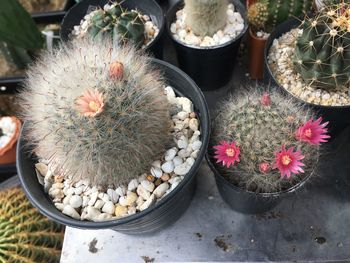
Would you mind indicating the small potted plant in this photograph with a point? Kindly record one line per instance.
(206, 35)
(40, 6)
(10, 128)
(115, 146)
(262, 148)
(263, 16)
(138, 22)
(309, 61)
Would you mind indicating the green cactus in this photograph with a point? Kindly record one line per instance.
(267, 14)
(122, 24)
(322, 52)
(25, 234)
(97, 113)
(206, 17)
(260, 126)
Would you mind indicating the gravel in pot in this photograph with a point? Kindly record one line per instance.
(111, 155)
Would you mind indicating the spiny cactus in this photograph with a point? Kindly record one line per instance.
(26, 235)
(266, 14)
(122, 24)
(271, 139)
(96, 113)
(206, 17)
(322, 52)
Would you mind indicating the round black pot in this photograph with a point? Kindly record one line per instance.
(210, 67)
(164, 212)
(147, 7)
(338, 116)
(249, 202)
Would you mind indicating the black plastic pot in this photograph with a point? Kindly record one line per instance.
(147, 7)
(338, 116)
(249, 202)
(164, 212)
(210, 67)
(11, 84)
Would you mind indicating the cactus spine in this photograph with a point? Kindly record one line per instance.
(322, 53)
(122, 24)
(266, 14)
(206, 17)
(260, 126)
(26, 235)
(96, 113)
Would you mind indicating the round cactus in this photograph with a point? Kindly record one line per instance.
(266, 143)
(322, 52)
(266, 14)
(206, 17)
(96, 113)
(122, 24)
(26, 235)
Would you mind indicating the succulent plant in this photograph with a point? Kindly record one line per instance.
(266, 143)
(96, 112)
(322, 51)
(206, 17)
(266, 14)
(122, 24)
(34, 6)
(26, 235)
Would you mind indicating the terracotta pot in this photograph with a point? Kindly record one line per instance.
(256, 55)
(8, 153)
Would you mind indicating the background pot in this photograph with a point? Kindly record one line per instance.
(338, 116)
(8, 153)
(146, 7)
(256, 47)
(164, 212)
(249, 202)
(210, 67)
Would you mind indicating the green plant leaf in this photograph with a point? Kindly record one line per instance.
(17, 28)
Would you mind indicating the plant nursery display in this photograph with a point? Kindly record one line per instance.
(264, 146)
(206, 35)
(10, 128)
(311, 62)
(113, 139)
(37, 6)
(263, 17)
(26, 235)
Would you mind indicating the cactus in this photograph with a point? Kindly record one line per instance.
(322, 52)
(320, 4)
(266, 14)
(36, 6)
(206, 17)
(260, 128)
(122, 24)
(26, 235)
(96, 113)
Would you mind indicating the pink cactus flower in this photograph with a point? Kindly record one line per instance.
(266, 99)
(313, 132)
(227, 153)
(90, 104)
(116, 70)
(264, 167)
(288, 162)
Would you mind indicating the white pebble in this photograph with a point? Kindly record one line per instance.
(161, 189)
(168, 167)
(141, 191)
(108, 207)
(156, 172)
(121, 190)
(70, 211)
(170, 154)
(149, 186)
(113, 196)
(182, 169)
(99, 204)
(177, 160)
(151, 200)
(76, 201)
(182, 143)
(133, 185)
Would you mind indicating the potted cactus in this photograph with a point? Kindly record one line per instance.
(115, 146)
(206, 35)
(138, 22)
(309, 62)
(44, 6)
(263, 17)
(263, 147)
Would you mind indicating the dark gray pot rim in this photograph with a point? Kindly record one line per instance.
(60, 217)
(161, 26)
(180, 5)
(293, 23)
(235, 188)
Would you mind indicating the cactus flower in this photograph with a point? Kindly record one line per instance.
(288, 162)
(264, 167)
(227, 153)
(266, 99)
(116, 70)
(90, 104)
(313, 132)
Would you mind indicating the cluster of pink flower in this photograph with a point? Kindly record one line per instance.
(287, 161)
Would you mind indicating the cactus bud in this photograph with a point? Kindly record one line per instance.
(116, 70)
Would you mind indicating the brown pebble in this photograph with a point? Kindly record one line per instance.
(158, 181)
(58, 179)
(150, 178)
(165, 177)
